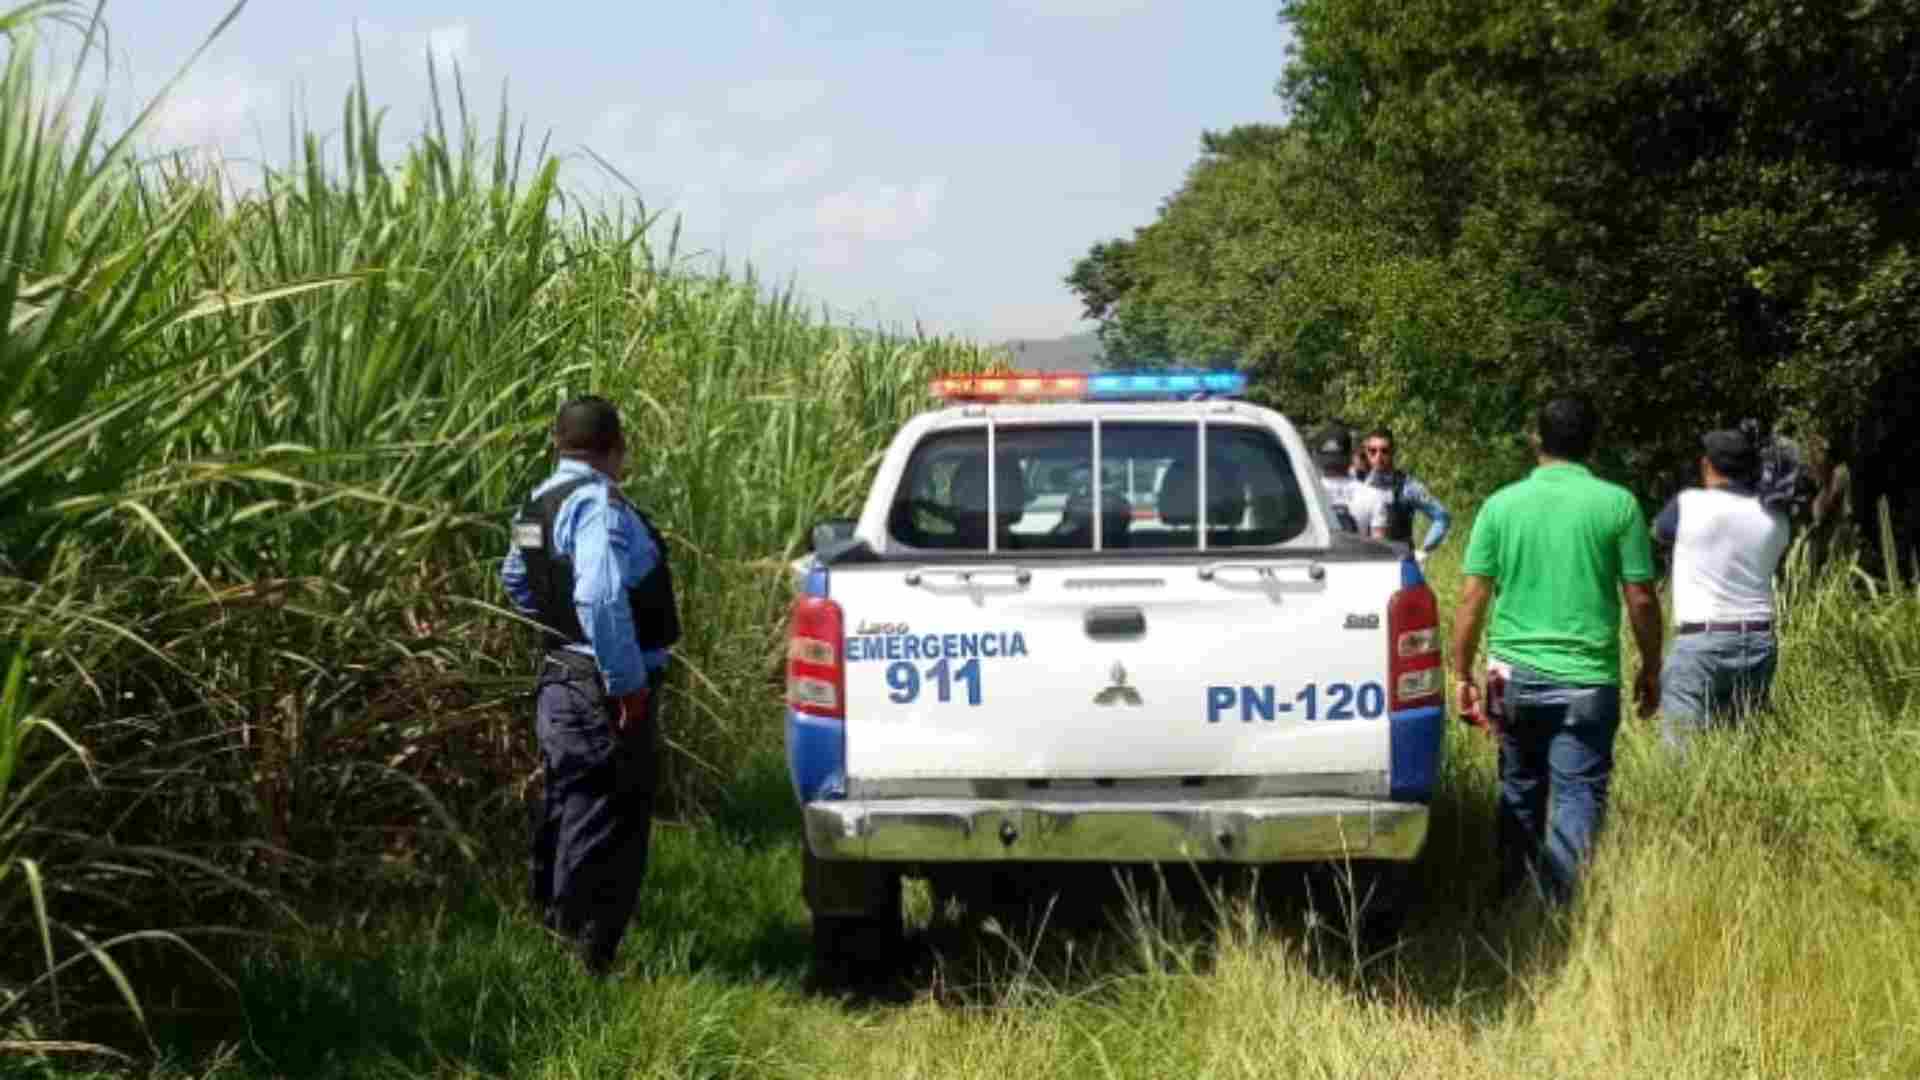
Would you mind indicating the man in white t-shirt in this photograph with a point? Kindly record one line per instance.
(1356, 507)
(1726, 546)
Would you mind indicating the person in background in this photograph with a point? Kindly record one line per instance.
(593, 571)
(1727, 542)
(1401, 496)
(1832, 507)
(1356, 507)
(1552, 554)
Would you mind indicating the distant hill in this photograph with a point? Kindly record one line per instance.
(1078, 352)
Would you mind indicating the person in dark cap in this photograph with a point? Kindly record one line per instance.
(1356, 506)
(1727, 542)
(592, 570)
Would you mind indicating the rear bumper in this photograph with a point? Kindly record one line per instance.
(1295, 829)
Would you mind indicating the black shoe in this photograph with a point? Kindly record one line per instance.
(597, 962)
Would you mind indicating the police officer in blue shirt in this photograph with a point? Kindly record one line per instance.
(1402, 495)
(593, 572)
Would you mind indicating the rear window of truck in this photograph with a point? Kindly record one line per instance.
(1145, 480)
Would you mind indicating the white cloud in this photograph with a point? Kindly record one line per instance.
(213, 110)
(1038, 320)
(450, 44)
(803, 163)
(677, 128)
(848, 221)
(776, 99)
(920, 260)
(874, 211)
(610, 130)
(681, 157)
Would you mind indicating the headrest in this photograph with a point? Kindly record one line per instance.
(1115, 511)
(1179, 498)
(970, 489)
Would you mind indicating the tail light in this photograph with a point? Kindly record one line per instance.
(1413, 648)
(816, 665)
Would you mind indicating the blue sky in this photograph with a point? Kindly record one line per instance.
(898, 160)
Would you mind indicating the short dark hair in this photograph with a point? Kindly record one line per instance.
(1567, 427)
(587, 425)
(1733, 454)
(1382, 433)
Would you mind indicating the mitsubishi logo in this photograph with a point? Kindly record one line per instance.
(1119, 693)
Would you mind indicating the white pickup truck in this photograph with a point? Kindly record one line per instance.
(984, 672)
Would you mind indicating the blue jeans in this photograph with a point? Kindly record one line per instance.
(1711, 677)
(1556, 748)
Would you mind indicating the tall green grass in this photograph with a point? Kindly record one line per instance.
(257, 452)
(1739, 921)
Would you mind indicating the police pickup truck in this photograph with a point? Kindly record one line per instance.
(1033, 646)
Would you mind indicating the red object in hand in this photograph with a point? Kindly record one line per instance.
(1488, 710)
(1495, 701)
(631, 712)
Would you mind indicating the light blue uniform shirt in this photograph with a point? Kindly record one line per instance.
(611, 553)
(1415, 497)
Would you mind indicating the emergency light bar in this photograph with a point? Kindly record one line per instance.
(1106, 386)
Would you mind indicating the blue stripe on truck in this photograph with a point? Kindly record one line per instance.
(816, 757)
(1415, 740)
(817, 747)
(1410, 575)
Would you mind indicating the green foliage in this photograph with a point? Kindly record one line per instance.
(258, 450)
(1692, 213)
(1752, 911)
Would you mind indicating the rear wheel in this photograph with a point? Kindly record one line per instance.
(854, 952)
(1370, 898)
(857, 923)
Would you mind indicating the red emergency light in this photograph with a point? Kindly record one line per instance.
(1106, 386)
(1011, 386)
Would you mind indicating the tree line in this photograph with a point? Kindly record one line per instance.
(1693, 212)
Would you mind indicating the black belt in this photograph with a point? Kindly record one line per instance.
(1758, 627)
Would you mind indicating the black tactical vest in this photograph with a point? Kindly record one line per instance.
(1399, 514)
(656, 618)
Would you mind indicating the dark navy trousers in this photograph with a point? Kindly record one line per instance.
(590, 829)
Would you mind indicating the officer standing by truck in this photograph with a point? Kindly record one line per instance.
(1356, 506)
(1401, 495)
(593, 572)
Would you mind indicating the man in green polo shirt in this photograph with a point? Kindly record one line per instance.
(1554, 553)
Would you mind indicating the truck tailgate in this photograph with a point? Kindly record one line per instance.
(1221, 665)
